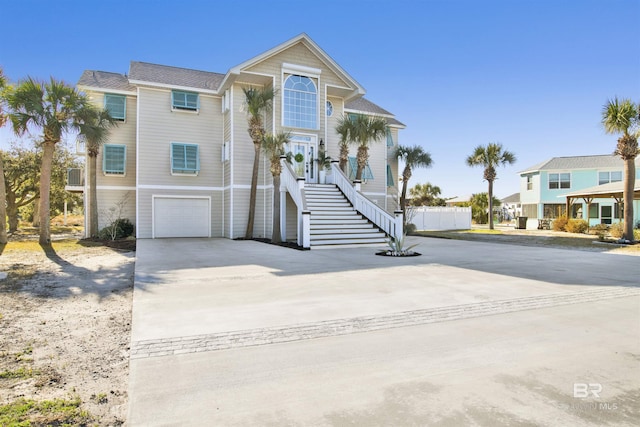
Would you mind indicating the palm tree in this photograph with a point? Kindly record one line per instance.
(51, 106)
(344, 128)
(426, 194)
(257, 103)
(490, 157)
(3, 194)
(623, 116)
(366, 129)
(413, 157)
(94, 125)
(274, 146)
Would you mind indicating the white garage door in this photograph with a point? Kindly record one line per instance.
(181, 217)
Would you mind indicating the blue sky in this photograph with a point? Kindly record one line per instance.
(532, 75)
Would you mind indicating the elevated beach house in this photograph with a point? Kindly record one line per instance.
(590, 186)
(179, 163)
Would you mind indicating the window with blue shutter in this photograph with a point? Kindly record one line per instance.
(389, 138)
(367, 175)
(390, 182)
(185, 100)
(116, 105)
(114, 159)
(185, 158)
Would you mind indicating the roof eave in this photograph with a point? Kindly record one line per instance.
(176, 87)
(105, 90)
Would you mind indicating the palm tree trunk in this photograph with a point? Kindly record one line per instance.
(363, 156)
(93, 198)
(3, 212)
(253, 192)
(490, 205)
(275, 234)
(629, 183)
(45, 186)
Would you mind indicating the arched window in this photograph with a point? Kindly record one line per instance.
(300, 102)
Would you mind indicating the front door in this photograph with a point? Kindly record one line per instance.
(304, 150)
(605, 214)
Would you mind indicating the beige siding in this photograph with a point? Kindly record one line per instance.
(123, 134)
(292, 220)
(159, 127)
(114, 204)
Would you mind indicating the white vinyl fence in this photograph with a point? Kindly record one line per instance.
(440, 218)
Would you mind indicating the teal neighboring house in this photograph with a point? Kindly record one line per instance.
(544, 189)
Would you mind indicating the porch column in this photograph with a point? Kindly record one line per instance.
(306, 229)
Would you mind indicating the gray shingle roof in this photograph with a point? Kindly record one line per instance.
(174, 76)
(105, 80)
(362, 104)
(577, 162)
(513, 198)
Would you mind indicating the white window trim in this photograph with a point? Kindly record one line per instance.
(171, 160)
(283, 76)
(112, 174)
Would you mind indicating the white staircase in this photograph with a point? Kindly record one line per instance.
(334, 221)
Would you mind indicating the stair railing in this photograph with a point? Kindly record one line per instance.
(390, 224)
(294, 185)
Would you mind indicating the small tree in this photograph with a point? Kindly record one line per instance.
(51, 107)
(3, 119)
(426, 195)
(274, 146)
(344, 128)
(413, 157)
(490, 157)
(94, 125)
(366, 130)
(257, 103)
(623, 117)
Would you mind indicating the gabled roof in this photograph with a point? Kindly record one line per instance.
(105, 80)
(577, 162)
(312, 46)
(513, 198)
(155, 74)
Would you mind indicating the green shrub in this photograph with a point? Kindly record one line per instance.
(118, 229)
(636, 234)
(410, 229)
(559, 223)
(617, 230)
(577, 226)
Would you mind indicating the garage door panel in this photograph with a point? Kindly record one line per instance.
(181, 217)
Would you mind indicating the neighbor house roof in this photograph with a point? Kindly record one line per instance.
(105, 80)
(144, 72)
(612, 189)
(577, 162)
(514, 198)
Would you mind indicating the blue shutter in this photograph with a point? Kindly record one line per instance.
(116, 105)
(114, 159)
(390, 182)
(184, 158)
(185, 100)
(389, 138)
(367, 175)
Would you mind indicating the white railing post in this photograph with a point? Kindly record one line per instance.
(306, 229)
(357, 185)
(399, 224)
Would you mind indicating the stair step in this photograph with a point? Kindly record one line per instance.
(345, 222)
(324, 205)
(362, 225)
(325, 196)
(344, 231)
(349, 241)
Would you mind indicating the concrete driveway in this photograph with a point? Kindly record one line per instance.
(244, 333)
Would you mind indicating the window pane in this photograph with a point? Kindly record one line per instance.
(300, 102)
(593, 210)
(114, 157)
(553, 181)
(115, 105)
(616, 176)
(603, 178)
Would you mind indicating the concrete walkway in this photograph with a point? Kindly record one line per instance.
(244, 333)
